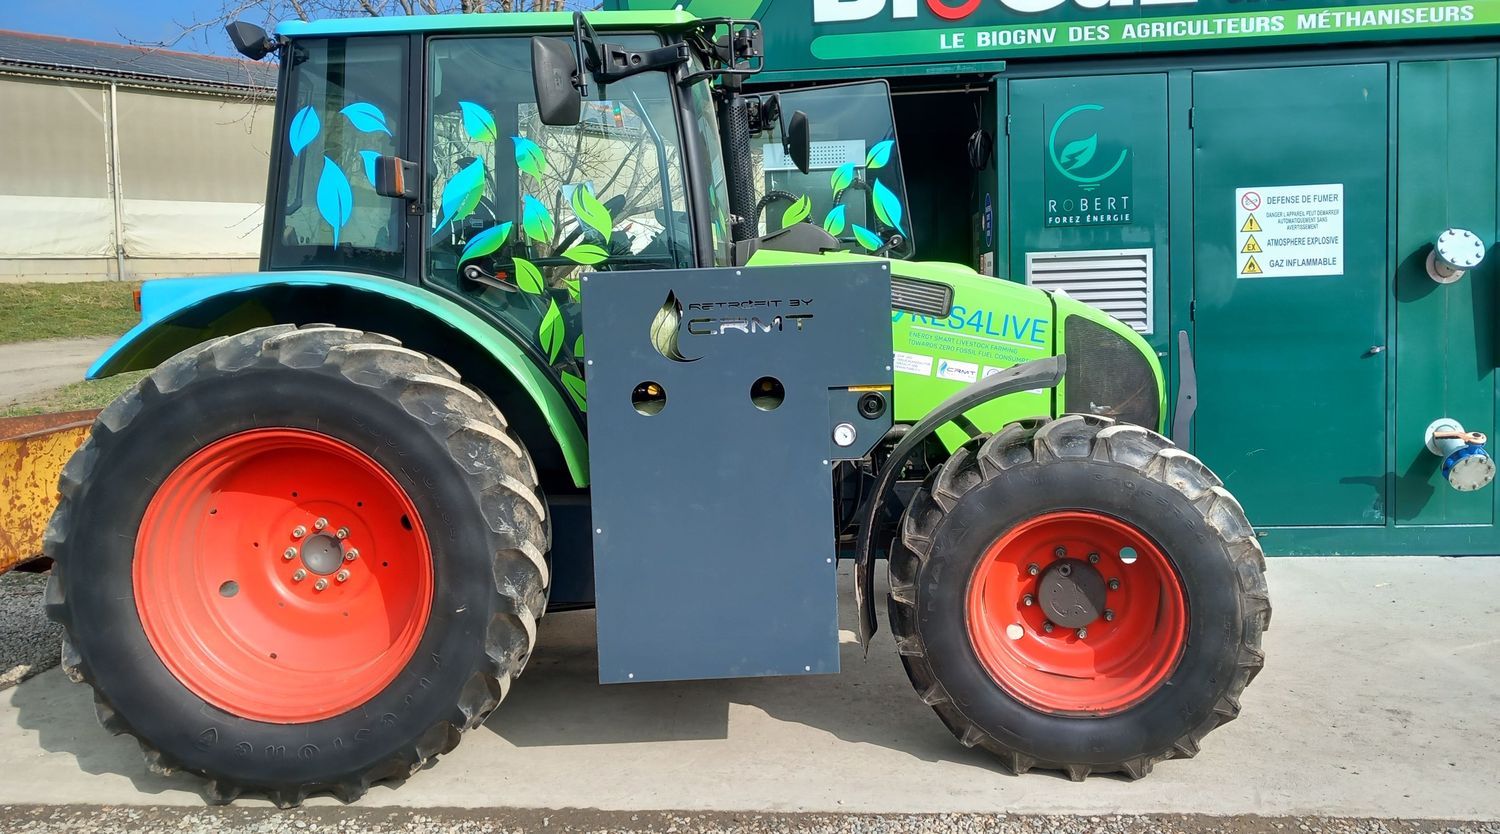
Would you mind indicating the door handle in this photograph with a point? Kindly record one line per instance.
(1375, 350)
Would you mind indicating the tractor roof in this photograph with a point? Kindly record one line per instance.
(525, 21)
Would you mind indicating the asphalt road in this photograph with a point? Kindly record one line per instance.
(29, 368)
(1378, 700)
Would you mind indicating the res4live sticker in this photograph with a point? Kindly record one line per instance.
(1289, 231)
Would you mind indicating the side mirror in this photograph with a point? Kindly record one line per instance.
(395, 177)
(554, 73)
(798, 142)
(250, 40)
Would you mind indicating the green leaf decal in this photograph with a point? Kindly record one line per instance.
(835, 222)
(866, 238)
(586, 253)
(591, 212)
(880, 155)
(574, 294)
(578, 346)
(550, 332)
(578, 389)
(1077, 154)
(842, 177)
(536, 220)
(528, 277)
(529, 157)
(461, 194)
(796, 212)
(888, 207)
(478, 122)
(486, 242)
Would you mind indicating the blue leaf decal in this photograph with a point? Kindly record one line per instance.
(369, 157)
(486, 242)
(529, 157)
(880, 154)
(888, 207)
(305, 127)
(366, 118)
(335, 200)
(536, 220)
(478, 122)
(867, 238)
(461, 194)
(842, 178)
(835, 223)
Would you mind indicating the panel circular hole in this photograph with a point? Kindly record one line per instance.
(1127, 555)
(649, 398)
(229, 589)
(767, 393)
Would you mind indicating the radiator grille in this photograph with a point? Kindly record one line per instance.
(1117, 281)
(921, 297)
(1108, 376)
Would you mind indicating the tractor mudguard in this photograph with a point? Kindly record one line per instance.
(181, 312)
(1040, 373)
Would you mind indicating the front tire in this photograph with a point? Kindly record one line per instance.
(296, 561)
(1078, 595)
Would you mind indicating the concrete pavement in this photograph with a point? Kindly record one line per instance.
(1378, 700)
(28, 368)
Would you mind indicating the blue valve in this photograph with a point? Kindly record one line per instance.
(1467, 466)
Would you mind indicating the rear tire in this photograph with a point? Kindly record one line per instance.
(1185, 570)
(186, 483)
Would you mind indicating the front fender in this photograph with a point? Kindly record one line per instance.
(180, 312)
(1039, 373)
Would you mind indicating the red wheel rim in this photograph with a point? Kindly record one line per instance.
(1124, 655)
(282, 575)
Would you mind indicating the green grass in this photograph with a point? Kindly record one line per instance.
(94, 393)
(29, 312)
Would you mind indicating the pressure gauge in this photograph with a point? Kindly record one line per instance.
(843, 434)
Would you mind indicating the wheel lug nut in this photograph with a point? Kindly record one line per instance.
(1033, 569)
(1047, 627)
(320, 584)
(289, 554)
(1028, 600)
(1109, 616)
(352, 554)
(1114, 584)
(1082, 633)
(320, 524)
(1093, 558)
(299, 531)
(342, 576)
(1060, 552)
(343, 533)
(299, 575)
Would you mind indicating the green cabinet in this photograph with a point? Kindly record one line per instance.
(1445, 360)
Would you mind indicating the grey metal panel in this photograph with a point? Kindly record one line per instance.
(714, 542)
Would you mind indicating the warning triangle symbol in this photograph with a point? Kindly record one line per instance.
(1251, 246)
(1251, 267)
(1250, 225)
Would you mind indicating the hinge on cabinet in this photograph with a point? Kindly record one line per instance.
(1192, 311)
(1190, 117)
(1007, 124)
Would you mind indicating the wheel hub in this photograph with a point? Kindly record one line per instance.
(1072, 593)
(323, 554)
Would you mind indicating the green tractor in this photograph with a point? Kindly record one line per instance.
(311, 548)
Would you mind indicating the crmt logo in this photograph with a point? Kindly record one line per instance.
(834, 11)
(1073, 160)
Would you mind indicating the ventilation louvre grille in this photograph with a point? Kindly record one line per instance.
(921, 297)
(1117, 281)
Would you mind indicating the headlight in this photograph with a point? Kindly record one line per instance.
(1108, 375)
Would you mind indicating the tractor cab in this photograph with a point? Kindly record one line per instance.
(503, 203)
